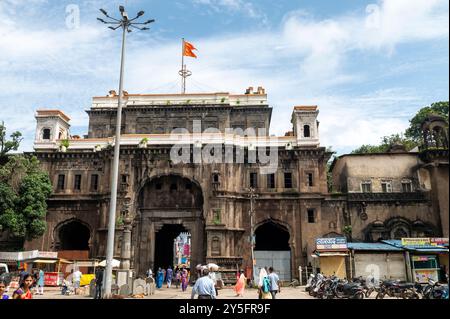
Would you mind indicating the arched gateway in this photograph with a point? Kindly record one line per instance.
(169, 205)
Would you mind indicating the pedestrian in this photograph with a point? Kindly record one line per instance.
(159, 278)
(184, 279)
(40, 282)
(264, 285)
(213, 277)
(240, 285)
(24, 291)
(274, 282)
(98, 283)
(169, 275)
(76, 279)
(149, 273)
(204, 287)
(3, 295)
(177, 277)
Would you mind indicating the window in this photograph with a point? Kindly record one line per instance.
(310, 179)
(253, 180)
(311, 216)
(271, 181)
(306, 131)
(386, 186)
(406, 186)
(94, 182)
(366, 187)
(77, 182)
(215, 246)
(215, 178)
(61, 182)
(46, 134)
(124, 179)
(287, 180)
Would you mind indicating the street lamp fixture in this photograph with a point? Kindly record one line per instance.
(125, 24)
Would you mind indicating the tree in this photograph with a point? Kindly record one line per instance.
(414, 130)
(24, 189)
(386, 143)
(7, 146)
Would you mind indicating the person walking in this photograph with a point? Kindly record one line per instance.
(204, 287)
(24, 291)
(177, 277)
(240, 285)
(98, 283)
(159, 278)
(76, 279)
(274, 282)
(264, 285)
(169, 276)
(184, 279)
(40, 282)
(3, 296)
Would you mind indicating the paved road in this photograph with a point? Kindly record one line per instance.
(173, 293)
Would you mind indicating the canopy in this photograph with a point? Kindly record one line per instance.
(44, 261)
(115, 263)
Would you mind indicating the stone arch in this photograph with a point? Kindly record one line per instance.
(72, 234)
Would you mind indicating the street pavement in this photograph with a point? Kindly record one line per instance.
(174, 293)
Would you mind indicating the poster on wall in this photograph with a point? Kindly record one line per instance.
(422, 276)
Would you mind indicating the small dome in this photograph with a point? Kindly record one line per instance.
(378, 223)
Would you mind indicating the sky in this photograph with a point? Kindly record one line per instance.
(368, 65)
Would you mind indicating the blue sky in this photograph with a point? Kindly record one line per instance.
(369, 65)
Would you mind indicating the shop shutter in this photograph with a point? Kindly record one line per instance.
(397, 267)
(366, 264)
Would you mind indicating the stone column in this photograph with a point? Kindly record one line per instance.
(126, 243)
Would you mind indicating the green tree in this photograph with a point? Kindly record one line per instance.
(414, 130)
(24, 190)
(386, 143)
(7, 146)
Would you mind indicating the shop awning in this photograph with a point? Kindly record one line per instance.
(65, 261)
(329, 254)
(43, 261)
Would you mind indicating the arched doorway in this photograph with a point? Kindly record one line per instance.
(272, 249)
(73, 235)
(169, 205)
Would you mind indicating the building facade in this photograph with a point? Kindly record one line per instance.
(166, 189)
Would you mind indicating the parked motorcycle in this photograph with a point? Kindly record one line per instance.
(435, 290)
(350, 290)
(397, 289)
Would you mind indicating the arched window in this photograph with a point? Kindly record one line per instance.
(306, 131)
(46, 134)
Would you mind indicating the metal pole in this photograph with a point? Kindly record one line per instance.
(252, 233)
(114, 178)
(183, 69)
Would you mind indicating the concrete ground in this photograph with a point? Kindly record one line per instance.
(174, 293)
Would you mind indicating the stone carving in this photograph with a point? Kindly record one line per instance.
(124, 290)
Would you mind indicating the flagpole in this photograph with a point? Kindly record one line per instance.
(183, 69)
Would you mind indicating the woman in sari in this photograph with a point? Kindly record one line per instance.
(184, 279)
(24, 291)
(159, 278)
(240, 285)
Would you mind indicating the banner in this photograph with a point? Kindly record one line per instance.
(439, 241)
(337, 243)
(416, 242)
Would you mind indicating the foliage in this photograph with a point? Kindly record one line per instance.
(386, 143)
(144, 141)
(413, 134)
(65, 143)
(7, 146)
(415, 128)
(24, 189)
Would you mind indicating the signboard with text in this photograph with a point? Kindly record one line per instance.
(416, 242)
(336, 243)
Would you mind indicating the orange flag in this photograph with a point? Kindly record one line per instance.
(188, 48)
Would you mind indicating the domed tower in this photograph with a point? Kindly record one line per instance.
(434, 154)
(52, 125)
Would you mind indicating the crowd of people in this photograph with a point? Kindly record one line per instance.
(179, 276)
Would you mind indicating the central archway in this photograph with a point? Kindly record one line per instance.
(73, 235)
(272, 249)
(169, 205)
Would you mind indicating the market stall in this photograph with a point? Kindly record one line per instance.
(329, 256)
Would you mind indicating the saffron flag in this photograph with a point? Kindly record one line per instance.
(188, 48)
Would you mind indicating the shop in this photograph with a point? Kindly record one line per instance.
(427, 257)
(329, 256)
(377, 260)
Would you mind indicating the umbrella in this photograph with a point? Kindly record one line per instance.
(213, 267)
(115, 263)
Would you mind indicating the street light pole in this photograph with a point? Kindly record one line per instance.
(126, 24)
(252, 196)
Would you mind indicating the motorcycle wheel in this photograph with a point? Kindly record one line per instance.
(368, 292)
(359, 295)
(380, 295)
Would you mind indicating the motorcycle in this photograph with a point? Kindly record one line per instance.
(435, 290)
(397, 289)
(349, 290)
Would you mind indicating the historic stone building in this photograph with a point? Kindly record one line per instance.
(159, 196)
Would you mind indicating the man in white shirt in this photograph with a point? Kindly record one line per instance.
(274, 282)
(204, 287)
(76, 279)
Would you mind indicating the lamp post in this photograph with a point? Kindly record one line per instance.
(127, 25)
(252, 197)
